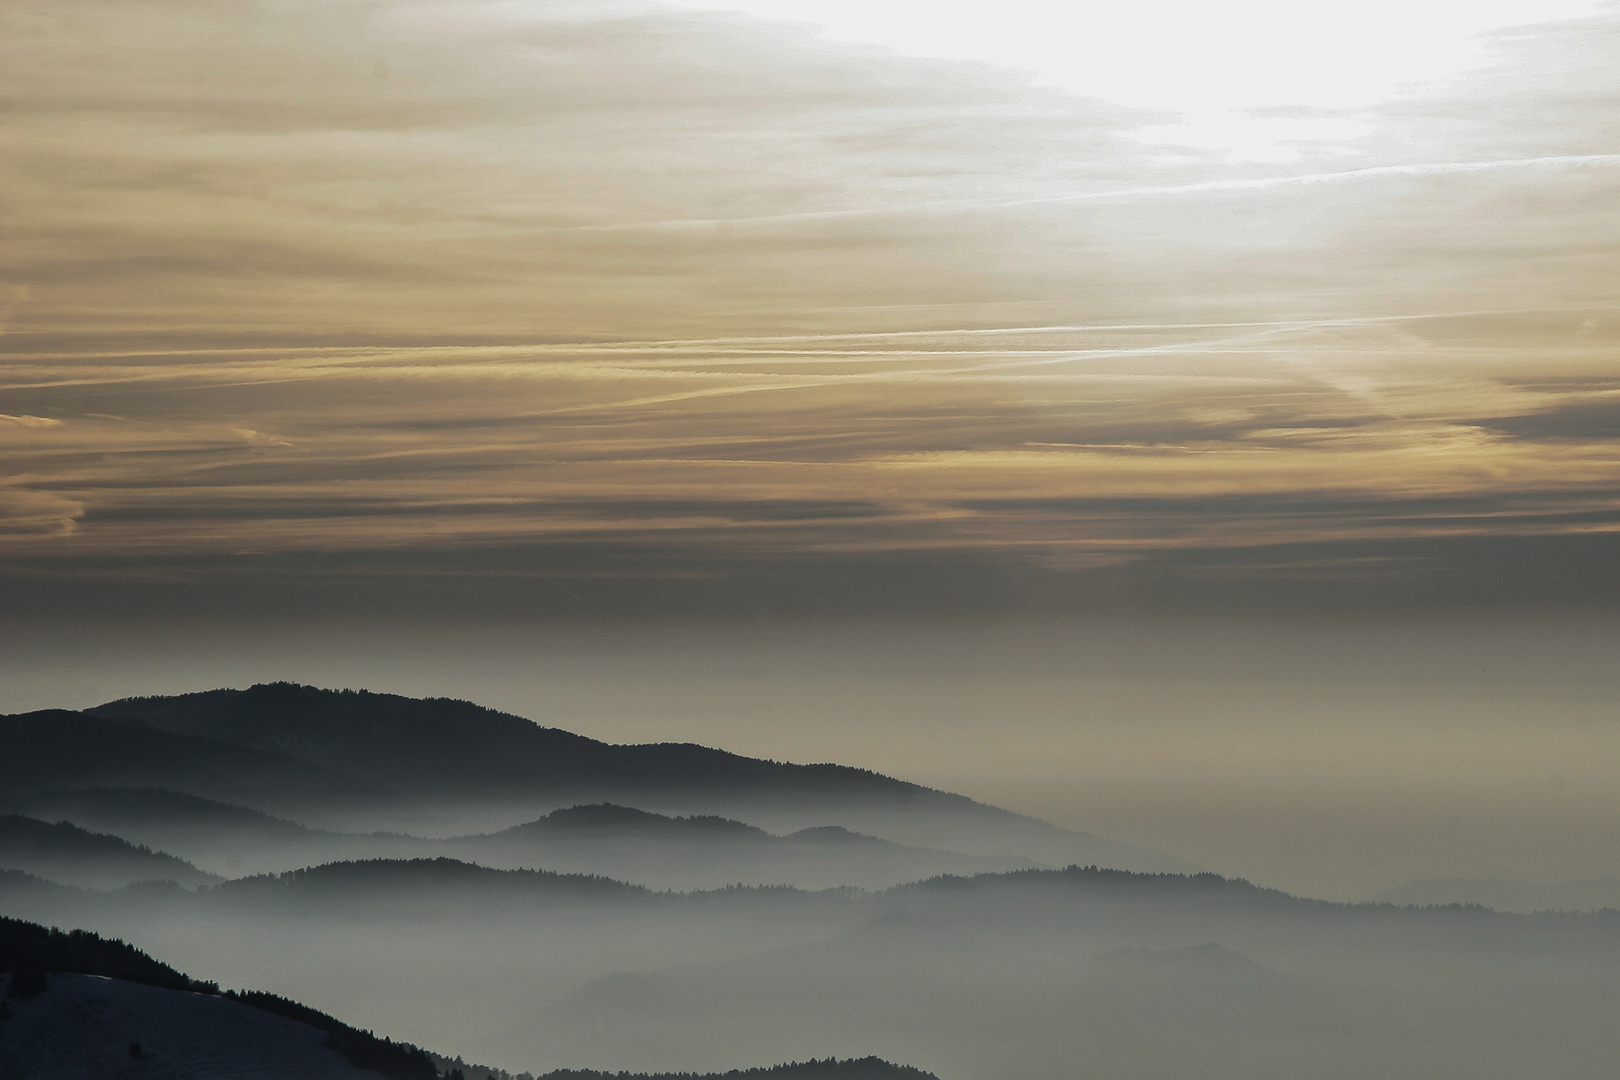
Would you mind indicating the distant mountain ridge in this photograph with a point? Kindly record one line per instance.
(696, 852)
(407, 881)
(369, 887)
(56, 749)
(628, 821)
(1028, 973)
(362, 761)
(1502, 894)
(67, 854)
(869, 1068)
(158, 809)
(706, 851)
(442, 746)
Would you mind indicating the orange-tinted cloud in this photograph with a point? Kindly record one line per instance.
(698, 291)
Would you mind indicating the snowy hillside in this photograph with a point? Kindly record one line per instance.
(85, 1027)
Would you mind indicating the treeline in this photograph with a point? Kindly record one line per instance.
(867, 1068)
(401, 1061)
(443, 871)
(28, 951)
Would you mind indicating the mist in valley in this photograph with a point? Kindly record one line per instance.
(602, 935)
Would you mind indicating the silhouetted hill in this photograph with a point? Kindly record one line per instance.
(870, 1068)
(1590, 894)
(55, 749)
(419, 886)
(455, 747)
(695, 852)
(68, 854)
(1088, 973)
(1029, 974)
(85, 1006)
(156, 810)
(26, 946)
(226, 839)
(456, 753)
(832, 834)
(77, 1004)
(706, 851)
(20, 890)
(624, 821)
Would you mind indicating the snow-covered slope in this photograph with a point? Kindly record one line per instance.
(82, 1028)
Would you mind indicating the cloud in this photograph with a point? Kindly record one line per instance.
(1257, 184)
(258, 438)
(36, 514)
(1594, 418)
(647, 295)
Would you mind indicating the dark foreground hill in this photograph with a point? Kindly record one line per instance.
(78, 1004)
(356, 760)
(74, 1004)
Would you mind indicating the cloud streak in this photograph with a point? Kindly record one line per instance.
(265, 299)
(1203, 187)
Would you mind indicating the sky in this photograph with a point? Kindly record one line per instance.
(456, 322)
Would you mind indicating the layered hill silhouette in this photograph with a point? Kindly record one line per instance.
(458, 890)
(64, 853)
(359, 761)
(227, 839)
(54, 749)
(1027, 973)
(636, 845)
(1088, 973)
(435, 890)
(706, 851)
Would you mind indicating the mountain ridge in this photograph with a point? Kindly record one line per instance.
(481, 765)
(55, 749)
(69, 855)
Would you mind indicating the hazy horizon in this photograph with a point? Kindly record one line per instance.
(1331, 760)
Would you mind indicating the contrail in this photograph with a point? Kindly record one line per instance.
(1266, 183)
(1430, 168)
(640, 344)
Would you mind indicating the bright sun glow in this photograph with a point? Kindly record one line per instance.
(1209, 62)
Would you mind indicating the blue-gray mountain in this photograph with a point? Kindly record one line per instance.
(362, 761)
(65, 853)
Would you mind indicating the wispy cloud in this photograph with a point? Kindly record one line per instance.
(384, 278)
(1202, 187)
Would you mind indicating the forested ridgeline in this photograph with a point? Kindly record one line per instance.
(868, 1068)
(29, 952)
